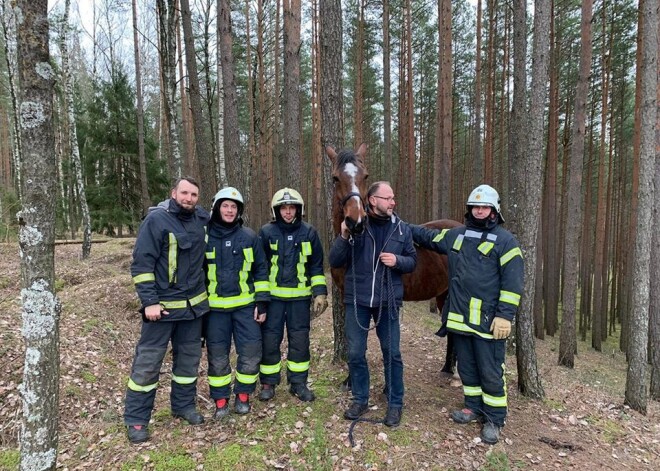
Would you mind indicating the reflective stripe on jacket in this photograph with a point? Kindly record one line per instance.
(295, 254)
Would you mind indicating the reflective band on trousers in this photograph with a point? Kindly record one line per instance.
(270, 369)
(246, 379)
(472, 390)
(494, 401)
(297, 367)
(183, 303)
(184, 379)
(133, 386)
(219, 381)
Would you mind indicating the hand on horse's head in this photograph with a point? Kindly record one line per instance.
(345, 232)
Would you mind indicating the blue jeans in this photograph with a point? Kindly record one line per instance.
(389, 335)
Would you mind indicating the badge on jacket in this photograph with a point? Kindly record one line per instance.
(227, 243)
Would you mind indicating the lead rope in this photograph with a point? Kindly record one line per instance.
(385, 283)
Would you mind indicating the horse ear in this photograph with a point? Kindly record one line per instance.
(331, 153)
(362, 151)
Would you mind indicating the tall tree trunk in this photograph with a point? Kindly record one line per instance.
(317, 150)
(654, 304)
(636, 396)
(254, 204)
(190, 166)
(568, 341)
(530, 181)
(232, 149)
(204, 154)
(332, 134)
(358, 92)
(142, 159)
(167, 34)
(446, 91)
(73, 136)
(221, 165)
(490, 95)
(478, 169)
(387, 94)
(292, 159)
(41, 309)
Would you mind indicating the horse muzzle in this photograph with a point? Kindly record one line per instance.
(354, 227)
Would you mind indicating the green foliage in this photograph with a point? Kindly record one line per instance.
(166, 460)
(89, 377)
(9, 460)
(497, 461)
(234, 457)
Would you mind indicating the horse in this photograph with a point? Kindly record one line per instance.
(430, 279)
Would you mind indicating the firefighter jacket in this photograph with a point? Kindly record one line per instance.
(296, 260)
(364, 280)
(168, 261)
(485, 274)
(236, 267)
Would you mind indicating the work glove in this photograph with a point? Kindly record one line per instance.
(501, 328)
(320, 305)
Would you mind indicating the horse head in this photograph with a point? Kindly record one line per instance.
(349, 175)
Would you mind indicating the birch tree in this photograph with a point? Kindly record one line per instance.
(41, 309)
(73, 135)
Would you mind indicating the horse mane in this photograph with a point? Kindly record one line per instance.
(346, 156)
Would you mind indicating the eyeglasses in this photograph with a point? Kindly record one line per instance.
(388, 199)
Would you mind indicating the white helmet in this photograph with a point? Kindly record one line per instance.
(287, 196)
(229, 193)
(485, 195)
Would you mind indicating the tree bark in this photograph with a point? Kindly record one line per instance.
(636, 395)
(292, 160)
(387, 93)
(568, 341)
(654, 309)
(41, 309)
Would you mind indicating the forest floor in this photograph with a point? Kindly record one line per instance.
(581, 424)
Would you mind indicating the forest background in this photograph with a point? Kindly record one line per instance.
(445, 94)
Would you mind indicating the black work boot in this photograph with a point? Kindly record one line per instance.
(465, 416)
(190, 415)
(355, 411)
(302, 392)
(242, 403)
(137, 433)
(221, 408)
(490, 433)
(267, 392)
(393, 417)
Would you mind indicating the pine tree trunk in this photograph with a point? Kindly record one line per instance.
(73, 136)
(478, 167)
(387, 94)
(221, 162)
(636, 395)
(654, 308)
(292, 159)
(41, 309)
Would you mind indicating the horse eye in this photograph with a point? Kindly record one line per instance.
(366, 175)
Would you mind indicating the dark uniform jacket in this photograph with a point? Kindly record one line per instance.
(168, 261)
(485, 274)
(237, 270)
(296, 260)
(366, 271)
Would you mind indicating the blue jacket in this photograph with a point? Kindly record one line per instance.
(237, 269)
(366, 271)
(296, 260)
(168, 260)
(486, 274)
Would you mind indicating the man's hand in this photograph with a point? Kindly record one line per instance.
(345, 233)
(388, 259)
(153, 313)
(260, 318)
(501, 328)
(320, 305)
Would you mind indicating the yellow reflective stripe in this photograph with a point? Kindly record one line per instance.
(475, 311)
(231, 301)
(485, 247)
(246, 379)
(318, 280)
(133, 386)
(245, 271)
(297, 367)
(494, 401)
(219, 381)
(455, 322)
(305, 251)
(143, 278)
(270, 369)
(171, 258)
(183, 303)
(506, 258)
(211, 272)
(509, 297)
(282, 292)
(440, 236)
(274, 269)
(261, 286)
(472, 390)
(184, 379)
(210, 255)
(458, 243)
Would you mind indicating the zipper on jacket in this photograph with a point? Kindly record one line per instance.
(375, 269)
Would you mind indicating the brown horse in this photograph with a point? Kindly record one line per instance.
(430, 279)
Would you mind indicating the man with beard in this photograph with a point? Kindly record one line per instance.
(167, 270)
(486, 282)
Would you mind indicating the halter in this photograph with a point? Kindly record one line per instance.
(349, 196)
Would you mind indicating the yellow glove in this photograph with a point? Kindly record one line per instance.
(501, 328)
(320, 305)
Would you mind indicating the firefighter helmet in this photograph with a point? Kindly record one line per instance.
(485, 195)
(287, 196)
(229, 193)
